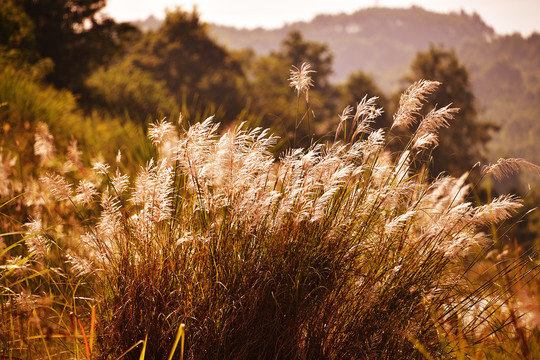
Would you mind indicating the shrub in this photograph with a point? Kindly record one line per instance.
(337, 251)
(124, 89)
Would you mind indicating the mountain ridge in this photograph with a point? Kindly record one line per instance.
(400, 32)
(504, 69)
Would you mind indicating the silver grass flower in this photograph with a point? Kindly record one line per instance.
(374, 143)
(79, 266)
(6, 165)
(86, 192)
(399, 222)
(35, 240)
(101, 168)
(498, 210)
(43, 144)
(366, 113)
(160, 131)
(436, 119)
(345, 115)
(153, 187)
(425, 141)
(57, 185)
(426, 134)
(411, 100)
(73, 156)
(301, 80)
(120, 183)
(507, 167)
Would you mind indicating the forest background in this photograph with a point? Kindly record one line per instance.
(69, 73)
(124, 75)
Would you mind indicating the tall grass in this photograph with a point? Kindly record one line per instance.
(341, 250)
(337, 251)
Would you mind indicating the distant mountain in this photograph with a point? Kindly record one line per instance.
(504, 70)
(505, 74)
(150, 23)
(381, 41)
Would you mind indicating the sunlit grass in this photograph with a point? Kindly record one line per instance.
(216, 249)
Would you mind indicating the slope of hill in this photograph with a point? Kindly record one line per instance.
(505, 74)
(381, 41)
(504, 70)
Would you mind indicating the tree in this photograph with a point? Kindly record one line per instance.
(123, 89)
(16, 29)
(197, 71)
(75, 36)
(291, 118)
(463, 143)
(360, 84)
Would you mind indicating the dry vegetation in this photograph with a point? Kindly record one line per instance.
(338, 251)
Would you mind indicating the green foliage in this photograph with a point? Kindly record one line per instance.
(27, 102)
(463, 143)
(16, 28)
(125, 90)
(193, 67)
(301, 121)
(74, 37)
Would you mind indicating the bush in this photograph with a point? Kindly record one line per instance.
(338, 251)
(124, 89)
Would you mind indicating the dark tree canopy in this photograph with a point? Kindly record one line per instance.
(16, 29)
(291, 118)
(190, 63)
(462, 144)
(74, 35)
(360, 84)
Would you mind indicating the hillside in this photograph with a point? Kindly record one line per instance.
(504, 70)
(505, 74)
(381, 41)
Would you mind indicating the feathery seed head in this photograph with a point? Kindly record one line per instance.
(500, 209)
(161, 131)
(35, 240)
(73, 155)
(6, 166)
(345, 115)
(86, 191)
(436, 119)
(79, 265)
(301, 80)
(366, 113)
(101, 168)
(508, 167)
(411, 100)
(57, 185)
(44, 143)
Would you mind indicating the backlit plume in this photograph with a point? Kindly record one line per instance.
(301, 79)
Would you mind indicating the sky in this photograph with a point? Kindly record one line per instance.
(505, 16)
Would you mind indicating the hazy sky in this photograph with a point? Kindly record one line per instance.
(506, 16)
